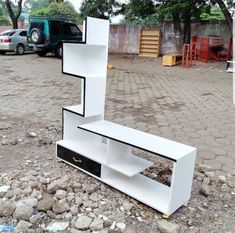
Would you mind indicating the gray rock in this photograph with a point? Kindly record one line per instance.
(222, 179)
(94, 197)
(210, 174)
(6, 208)
(60, 207)
(152, 176)
(4, 141)
(168, 227)
(3, 190)
(61, 183)
(76, 231)
(205, 190)
(46, 203)
(45, 141)
(130, 229)
(206, 181)
(32, 135)
(97, 224)
(127, 206)
(76, 185)
(14, 142)
(78, 201)
(34, 218)
(28, 201)
(37, 194)
(44, 180)
(50, 214)
(57, 226)
(74, 210)
(121, 226)
(23, 225)
(83, 222)
(60, 194)
(23, 212)
(27, 190)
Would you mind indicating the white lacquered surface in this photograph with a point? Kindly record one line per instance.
(170, 149)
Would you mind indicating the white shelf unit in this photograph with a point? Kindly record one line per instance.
(103, 149)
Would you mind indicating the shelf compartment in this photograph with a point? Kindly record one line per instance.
(93, 150)
(121, 159)
(157, 145)
(139, 187)
(76, 57)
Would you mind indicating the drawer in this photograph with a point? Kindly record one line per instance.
(78, 160)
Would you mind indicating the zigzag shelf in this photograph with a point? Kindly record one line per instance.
(103, 149)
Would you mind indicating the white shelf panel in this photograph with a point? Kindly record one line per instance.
(84, 59)
(144, 189)
(92, 150)
(76, 109)
(164, 147)
(130, 165)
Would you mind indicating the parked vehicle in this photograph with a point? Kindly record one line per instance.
(13, 40)
(46, 35)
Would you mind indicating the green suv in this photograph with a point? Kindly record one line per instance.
(46, 35)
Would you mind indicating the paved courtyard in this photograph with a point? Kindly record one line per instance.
(192, 106)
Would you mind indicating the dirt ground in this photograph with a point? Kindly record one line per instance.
(192, 106)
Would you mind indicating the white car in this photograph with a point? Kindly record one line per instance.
(14, 40)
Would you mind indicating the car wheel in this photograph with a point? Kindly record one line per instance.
(20, 49)
(59, 51)
(36, 36)
(41, 53)
(2, 52)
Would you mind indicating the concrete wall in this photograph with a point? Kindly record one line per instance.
(125, 38)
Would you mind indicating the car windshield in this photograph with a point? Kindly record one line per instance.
(8, 33)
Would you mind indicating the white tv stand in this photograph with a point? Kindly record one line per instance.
(103, 149)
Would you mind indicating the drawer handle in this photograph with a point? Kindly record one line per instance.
(77, 160)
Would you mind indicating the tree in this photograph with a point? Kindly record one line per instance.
(140, 12)
(225, 11)
(62, 11)
(99, 9)
(14, 16)
(34, 5)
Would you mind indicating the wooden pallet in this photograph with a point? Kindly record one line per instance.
(171, 59)
(149, 43)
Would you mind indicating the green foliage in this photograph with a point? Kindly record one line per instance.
(63, 11)
(99, 9)
(43, 11)
(35, 5)
(214, 14)
(4, 20)
(141, 12)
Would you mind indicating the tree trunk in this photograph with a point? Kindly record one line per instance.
(14, 23)
(177, 31)
(14, 17)
(187, 28)
(226, 13)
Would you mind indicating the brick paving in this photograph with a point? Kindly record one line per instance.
(192, 106)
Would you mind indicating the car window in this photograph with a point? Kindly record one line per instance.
(39, 25)
(23, 33)
(71, 30)
(75, 31)
(55, 28)
(8, 33)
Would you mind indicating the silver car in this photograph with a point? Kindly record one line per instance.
(14, 40)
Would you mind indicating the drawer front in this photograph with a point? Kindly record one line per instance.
(79, 160)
